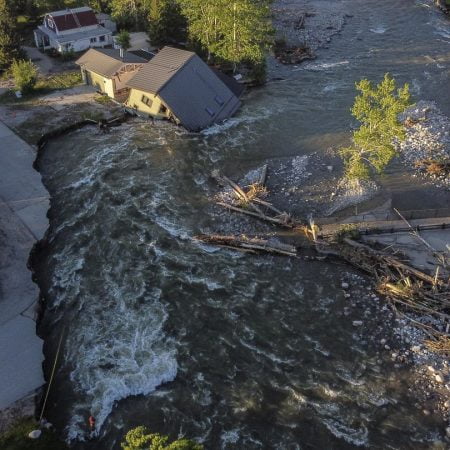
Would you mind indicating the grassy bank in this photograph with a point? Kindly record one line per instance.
(46, 85)
(16, 438)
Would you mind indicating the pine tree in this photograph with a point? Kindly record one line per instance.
(377, 108)
(166, 23)
(9, 39)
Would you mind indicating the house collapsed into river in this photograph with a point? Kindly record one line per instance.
(174, 84)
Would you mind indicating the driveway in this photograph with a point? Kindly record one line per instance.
(44, 63)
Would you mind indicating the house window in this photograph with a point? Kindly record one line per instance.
(162, 109)
(101, 38)
(219, 100)
(210, 111)
(50, 23)
(147, 101)
(93, 40)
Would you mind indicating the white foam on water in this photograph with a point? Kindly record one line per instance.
(229, 437)
(355, 436)
(330, 87)
(249, 118)
(266, 354)
(118, 349)
(322, 66)
(379, 29)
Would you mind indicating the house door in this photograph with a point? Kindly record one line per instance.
(87, 77)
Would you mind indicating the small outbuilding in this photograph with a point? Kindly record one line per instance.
(177, 85)
(109, 70)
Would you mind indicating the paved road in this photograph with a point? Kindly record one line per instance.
(23, 208)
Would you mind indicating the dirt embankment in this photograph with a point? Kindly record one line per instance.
(32, 118)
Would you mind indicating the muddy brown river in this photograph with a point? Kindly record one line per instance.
(236, 351)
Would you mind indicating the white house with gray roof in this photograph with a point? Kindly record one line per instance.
(74, 29)
(176, 84)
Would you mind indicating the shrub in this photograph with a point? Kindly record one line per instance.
(16, 438)
(140, 438)
(25, 75)
(123, 39)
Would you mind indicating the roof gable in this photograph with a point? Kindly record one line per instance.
(107, 62)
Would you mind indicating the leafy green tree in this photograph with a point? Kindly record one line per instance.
(166, 23)
(123, 39)
(25, 75)
(232, 30)
(130, 13)
(9, 39)
(377, 109)
(246, 32)
(140, 438)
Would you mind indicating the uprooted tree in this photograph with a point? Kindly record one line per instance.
(373, 143)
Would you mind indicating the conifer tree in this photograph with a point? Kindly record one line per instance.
(9, 39)
(166, 23)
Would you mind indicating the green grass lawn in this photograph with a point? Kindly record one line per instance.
(46, 85)
(16, 438)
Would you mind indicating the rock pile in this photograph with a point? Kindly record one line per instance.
(427, 143)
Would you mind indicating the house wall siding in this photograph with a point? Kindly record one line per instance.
(103, 84)
(84, 44)
(135, 102)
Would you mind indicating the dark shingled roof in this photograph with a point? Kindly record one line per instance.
(67, 19)
(192, 91)
(161, 68)
(107, 61)
(143, 54)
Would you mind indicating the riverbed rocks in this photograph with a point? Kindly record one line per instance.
(427, 144)
(311, 24)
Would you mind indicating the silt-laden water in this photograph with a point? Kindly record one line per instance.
(234, 350)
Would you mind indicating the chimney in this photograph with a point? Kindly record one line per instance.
(121, 52)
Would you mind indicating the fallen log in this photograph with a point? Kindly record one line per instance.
(249, 243)
(278, 221)
(263, 175)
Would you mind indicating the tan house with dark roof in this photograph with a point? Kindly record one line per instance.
(109, 70)
(178, 85)
(72, 30)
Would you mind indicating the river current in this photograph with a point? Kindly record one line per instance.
(236, 351)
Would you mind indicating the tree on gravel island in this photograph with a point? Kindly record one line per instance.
(377, 109)
(9, 39)
(140, 438)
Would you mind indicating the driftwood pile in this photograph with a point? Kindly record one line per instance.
(407, 288)
(433, 167)
(294, 55)
(250, 202)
